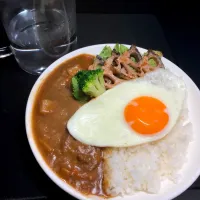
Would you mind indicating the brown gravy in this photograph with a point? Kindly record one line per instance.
(78, 164)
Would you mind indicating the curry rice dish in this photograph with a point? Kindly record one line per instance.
(120, 88)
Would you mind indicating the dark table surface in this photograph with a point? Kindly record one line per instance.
(20, 175)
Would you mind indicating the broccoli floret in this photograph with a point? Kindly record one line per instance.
(76, 91)
(87, 84)
(92, 83)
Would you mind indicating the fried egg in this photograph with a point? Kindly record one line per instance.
(132, 113)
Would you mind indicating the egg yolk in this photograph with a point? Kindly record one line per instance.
(146, 115)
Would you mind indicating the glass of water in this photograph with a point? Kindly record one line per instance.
(40, 31)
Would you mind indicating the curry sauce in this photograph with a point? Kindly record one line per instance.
(78, 164)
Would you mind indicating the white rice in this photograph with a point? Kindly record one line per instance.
(145, 167)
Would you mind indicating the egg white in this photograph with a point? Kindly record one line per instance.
(101, 122)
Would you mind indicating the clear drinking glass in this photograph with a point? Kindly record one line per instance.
(40, 31)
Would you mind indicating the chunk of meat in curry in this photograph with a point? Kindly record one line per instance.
(78, 164)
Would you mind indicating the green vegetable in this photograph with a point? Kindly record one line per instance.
(117, 48)
(152, 62)
(106, 52)
(92, 83)
(123, 49)
(76, 91)
(120, 48)
(133, 59)
(88, 83)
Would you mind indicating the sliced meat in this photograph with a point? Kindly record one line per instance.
(98, 61)
(130, 65)
(110, 79)
(133, 52)
(146, 67)
(125, 67)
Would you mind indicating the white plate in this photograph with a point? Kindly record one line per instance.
(191, 169)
